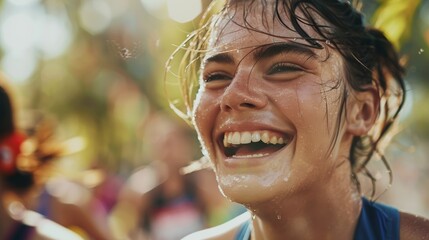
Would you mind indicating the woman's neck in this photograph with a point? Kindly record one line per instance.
(330, 210)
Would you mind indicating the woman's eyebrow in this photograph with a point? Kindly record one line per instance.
(220, 58)
(275, 49)
(264, 52)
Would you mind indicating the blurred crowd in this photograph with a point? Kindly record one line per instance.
(161, 200)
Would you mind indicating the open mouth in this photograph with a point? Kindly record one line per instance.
(254, 144)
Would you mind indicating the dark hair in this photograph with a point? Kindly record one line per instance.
(16, 180)
(20, 181)
(7, 125)
(369, 59)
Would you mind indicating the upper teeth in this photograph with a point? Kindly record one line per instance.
(248, 137)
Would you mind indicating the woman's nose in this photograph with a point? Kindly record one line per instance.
(243, 93)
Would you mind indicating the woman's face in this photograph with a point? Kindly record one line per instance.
(267, 110)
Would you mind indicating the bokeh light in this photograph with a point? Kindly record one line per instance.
(153, 6)
(95, 16)
(23, 2)
(18, 30)
(19, 66)
(55, 37)
(184, 11)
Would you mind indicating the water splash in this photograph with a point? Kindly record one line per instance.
(421, 50)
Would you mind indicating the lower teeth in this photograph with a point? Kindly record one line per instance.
(251, 156)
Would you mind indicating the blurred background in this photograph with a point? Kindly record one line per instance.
(97, 67)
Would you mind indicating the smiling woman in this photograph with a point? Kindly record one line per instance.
(295, 98)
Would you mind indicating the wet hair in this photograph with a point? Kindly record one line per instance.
(369, 60)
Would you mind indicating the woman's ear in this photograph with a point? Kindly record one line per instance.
(362, 111)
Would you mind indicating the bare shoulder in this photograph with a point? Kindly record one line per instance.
(225, 231)
(413, 227)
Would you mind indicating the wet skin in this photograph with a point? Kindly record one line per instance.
(254, 82)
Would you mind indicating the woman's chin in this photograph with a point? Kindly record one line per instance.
(247, 189)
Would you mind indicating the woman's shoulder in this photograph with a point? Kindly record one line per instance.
(225, 231)
(413, 227)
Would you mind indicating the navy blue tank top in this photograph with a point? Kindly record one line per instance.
(376, 222)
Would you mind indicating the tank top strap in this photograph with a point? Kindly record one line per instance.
(377, 222)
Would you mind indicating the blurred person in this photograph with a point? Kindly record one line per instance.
(295, 98)
(32, 205)
(105, 185)
(171, 203)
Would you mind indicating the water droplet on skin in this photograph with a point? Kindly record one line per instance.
(328, 42)
(294, 39)
(279, 217)
(421, 51)
(238, 50)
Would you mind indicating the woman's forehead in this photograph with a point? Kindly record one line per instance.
(240, 27)
(234, 38)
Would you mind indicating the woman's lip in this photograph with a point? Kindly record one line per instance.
(249, 126)
(251, 161)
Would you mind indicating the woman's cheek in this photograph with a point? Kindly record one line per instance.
(204, 120)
